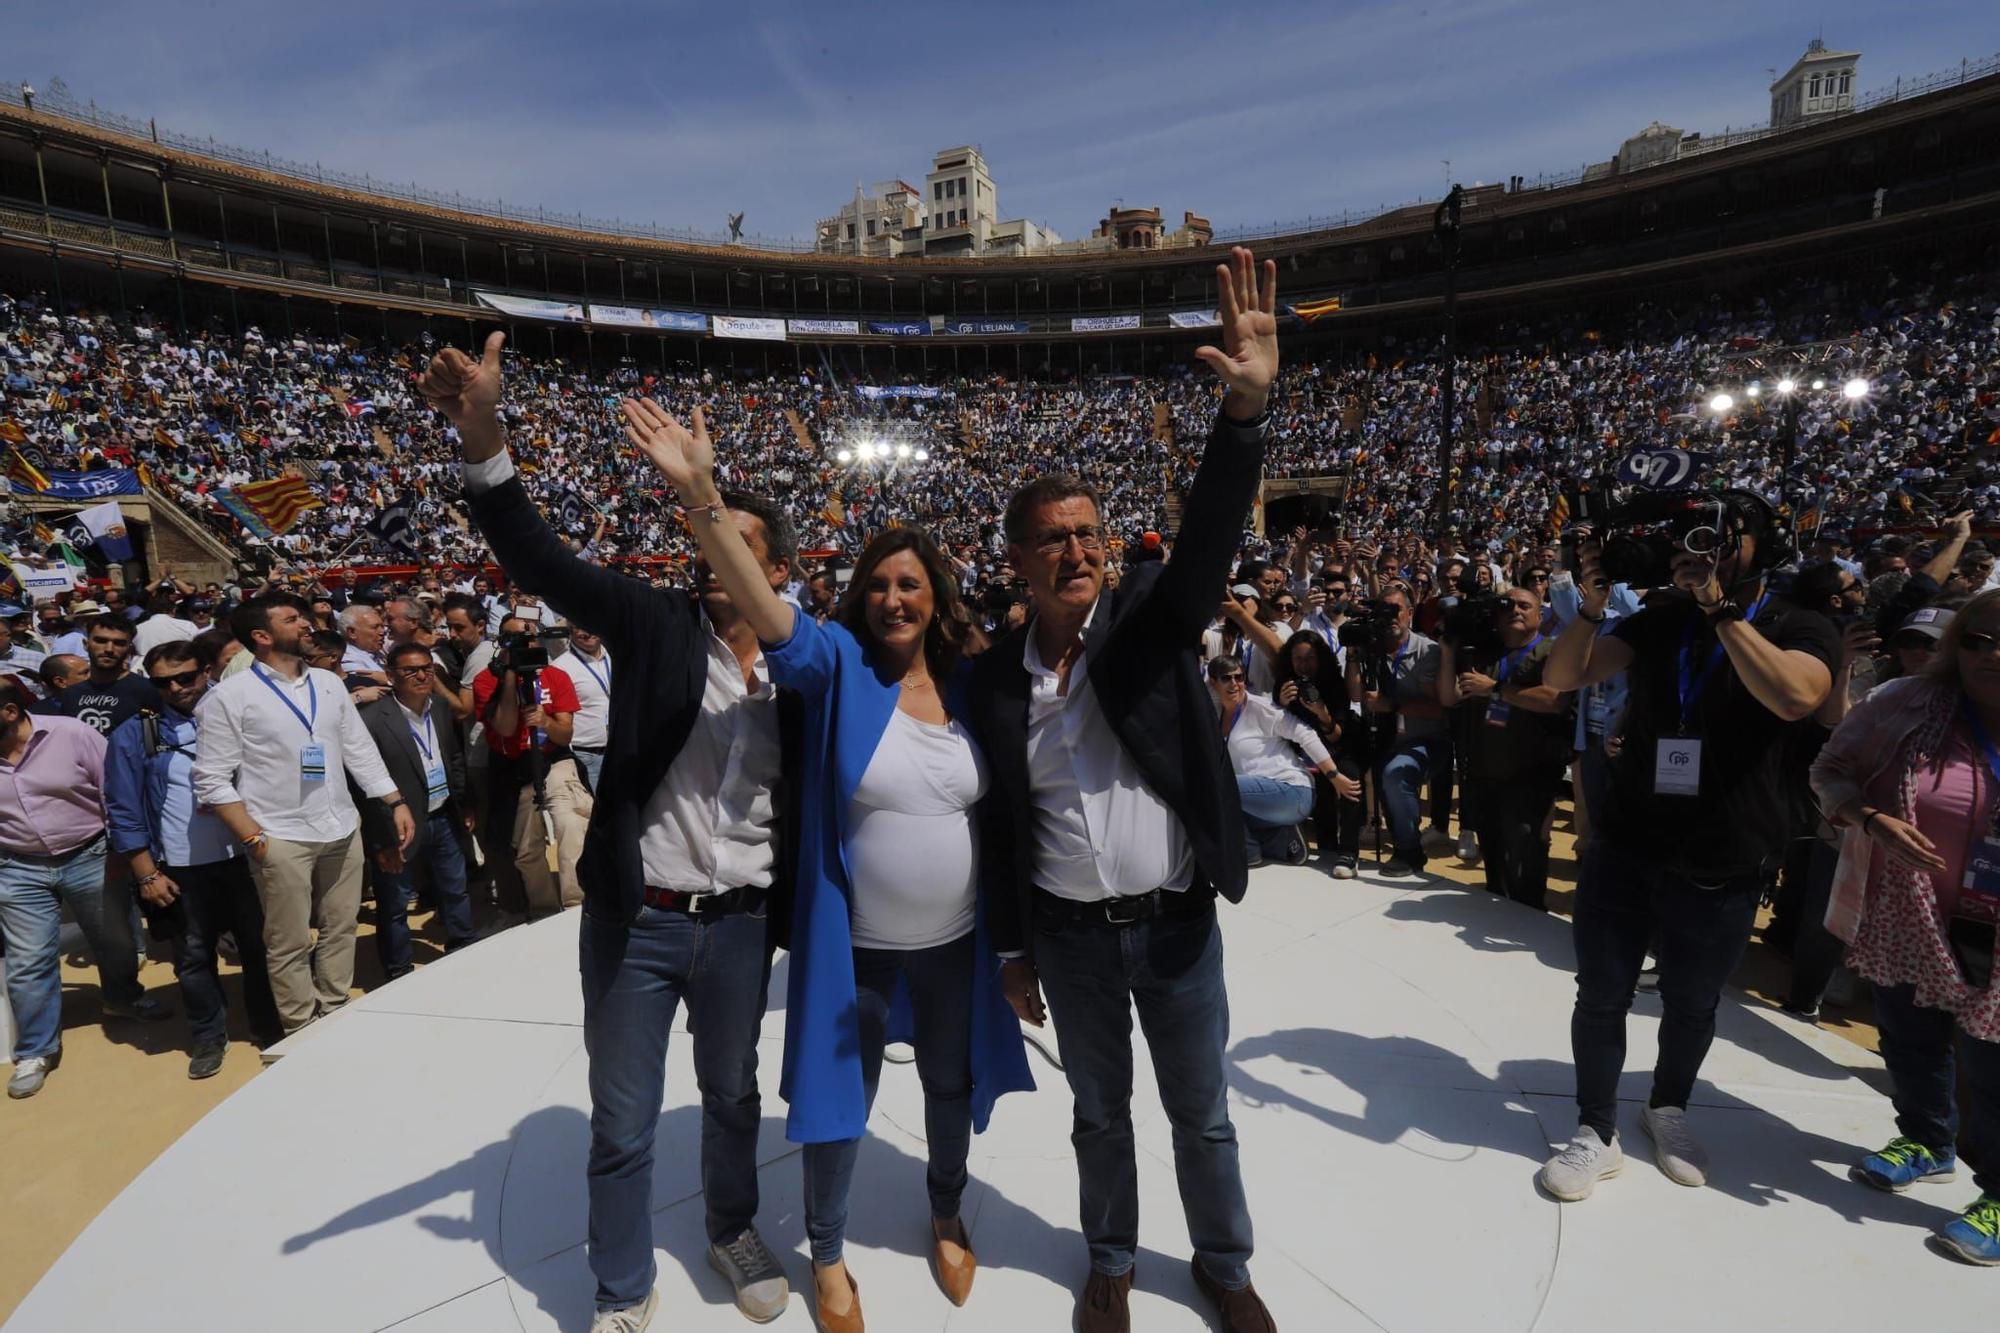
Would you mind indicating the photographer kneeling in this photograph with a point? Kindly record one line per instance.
(1277, 793)
(1721, 675)
(1393, 671)
(1494, 658)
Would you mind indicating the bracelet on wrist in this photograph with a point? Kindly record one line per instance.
(1866, 820)
(713, 509)
(144, 880)
(257, 839)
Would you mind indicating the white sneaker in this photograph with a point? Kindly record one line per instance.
(1680, 1158)
(1468, 847)
(30, 1074)
(631, 1319)
(1574, 1172)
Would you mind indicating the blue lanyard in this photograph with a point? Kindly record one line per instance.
(1979, 734)
(1692, 685)
(603, 682)
(1401, 653)
(428, 747)
(1513, 659)
(311, 694)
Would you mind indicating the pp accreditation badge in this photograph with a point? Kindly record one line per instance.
(1677, 767)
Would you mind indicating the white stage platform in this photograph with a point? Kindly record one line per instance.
(1400, 1065)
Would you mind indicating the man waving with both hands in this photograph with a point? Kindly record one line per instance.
(1112, 824)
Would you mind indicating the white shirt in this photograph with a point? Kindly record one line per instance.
(912, 851)
(1100, 831)
(476, 661)
(156, 630)
(423, 730)
(1261, 741)
(592, 678)
(358, 659)
(709, 826)
(249, 748)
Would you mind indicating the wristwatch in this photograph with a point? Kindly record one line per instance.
(1723, 612)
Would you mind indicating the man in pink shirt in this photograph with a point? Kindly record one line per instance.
(52, 851)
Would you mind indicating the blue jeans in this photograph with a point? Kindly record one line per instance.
(590, 763)
(1703, 929)
(33, 890)
(634, 980)
(444, 859)
(1270, 804)
(214, 899)
(940, 982)
(1170, 968)
(1401, 778)
(1917, 1047)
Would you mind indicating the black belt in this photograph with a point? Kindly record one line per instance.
(1120, 911)
(588, 749)
(748, 898)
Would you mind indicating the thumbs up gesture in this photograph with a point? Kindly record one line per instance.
(466, 391)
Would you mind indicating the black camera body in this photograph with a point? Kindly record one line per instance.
(1370, 627)
(1645, 532)
(520, 652)
(1472, 625)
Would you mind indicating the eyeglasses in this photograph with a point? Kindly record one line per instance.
(423, 670)
(1538, 578)
(1055, 543)
(1228, 678)
(1973, 642)
(1287, 606)
(182, 679)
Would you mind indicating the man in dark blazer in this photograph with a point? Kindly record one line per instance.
(686, 868)
(1113, 822)
(420, 746)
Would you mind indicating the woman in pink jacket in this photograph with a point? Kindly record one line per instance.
(1912, 777)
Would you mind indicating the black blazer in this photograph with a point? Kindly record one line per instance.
(391, 730)
(655, 637)
(1143, 655)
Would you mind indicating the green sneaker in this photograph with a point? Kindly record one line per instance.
(1974, 1235)
(1904, 1163)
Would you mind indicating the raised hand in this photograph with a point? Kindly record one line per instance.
(686, 458)
(465, 390)
(1247, 361)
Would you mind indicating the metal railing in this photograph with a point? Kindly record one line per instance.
(56, 100)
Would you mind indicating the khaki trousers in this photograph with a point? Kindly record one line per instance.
(570, 804)
(311, 894)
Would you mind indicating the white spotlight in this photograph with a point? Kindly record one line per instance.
(1754, 391)
(923, 455)
(1818, 385)
(866, 449)
(844, 456)
(1721, 403)
(902, 451)
(1787, 385)
(1854, 389)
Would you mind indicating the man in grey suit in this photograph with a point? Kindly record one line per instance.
(420, 745)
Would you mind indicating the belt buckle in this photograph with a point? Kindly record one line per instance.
(1123, 911)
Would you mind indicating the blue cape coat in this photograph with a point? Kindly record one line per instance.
(847, 709)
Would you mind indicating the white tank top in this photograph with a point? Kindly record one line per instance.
(912, 851)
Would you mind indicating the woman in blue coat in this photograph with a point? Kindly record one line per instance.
(887, 939)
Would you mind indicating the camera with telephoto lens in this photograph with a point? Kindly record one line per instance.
(1644, 533)
(520, 652)
(1370, 627)
(1472, 625)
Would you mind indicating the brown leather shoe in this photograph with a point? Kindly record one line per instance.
(1106, 1304)
(954, 1279)
(1242, 1310)
(830, 1322)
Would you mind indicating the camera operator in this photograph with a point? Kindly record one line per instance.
(1402, 667)
(529, 709)
(1312, 687)
(1517, 736)
(1720, 675)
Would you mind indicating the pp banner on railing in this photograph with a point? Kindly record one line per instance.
(1194, 319)
(743, 326)
(901, 328)
(899, 391)
(99, 485)
(975, 327)
(842, 328)
(532, 307)
(646, 317)
(1102, 323)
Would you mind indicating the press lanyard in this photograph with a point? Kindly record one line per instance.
(311, 694)
(1692, 685)
(603, 682)
(428, 747)
(1513, 659)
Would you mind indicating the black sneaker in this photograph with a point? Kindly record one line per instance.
(1404, 864)
(1340, 865)
(1296, 852)
(206, 1062)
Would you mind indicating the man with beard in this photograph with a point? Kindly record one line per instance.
(109, 694)
(277, 745)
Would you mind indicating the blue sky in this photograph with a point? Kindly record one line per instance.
(678, 113)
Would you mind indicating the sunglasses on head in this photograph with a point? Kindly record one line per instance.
(182, 679)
